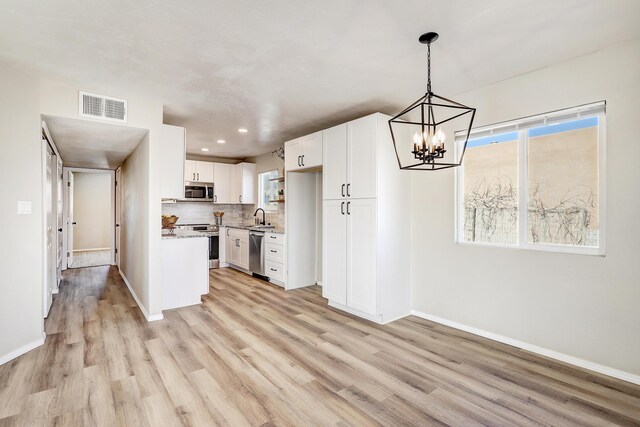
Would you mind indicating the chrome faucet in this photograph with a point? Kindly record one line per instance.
(263, 215)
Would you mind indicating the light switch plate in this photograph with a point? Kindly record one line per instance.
(24, 207)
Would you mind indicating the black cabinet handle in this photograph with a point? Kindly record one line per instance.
(343, 185)
(348, 210)
(240, 199)
(349, 190)
(273, 237)
(60, 229)
(73, 223)
(227, 232)
(342, 208)
(215, 198)
(303, 160)
(299, 161)
(198, 173)
(273, 269)
(275, 252)
(117, 225)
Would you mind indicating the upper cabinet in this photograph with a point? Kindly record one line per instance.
(350, 159)
(172, 161)
(303, 153)
(222, 176)
(234, 184)
(197, 171)
(243, 183)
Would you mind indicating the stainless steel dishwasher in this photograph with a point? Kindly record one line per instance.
(256, 252)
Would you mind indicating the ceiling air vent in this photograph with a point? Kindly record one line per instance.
(103, 107)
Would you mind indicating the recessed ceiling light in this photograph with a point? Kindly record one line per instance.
(221, 141)
(204, 149)
(242, 130)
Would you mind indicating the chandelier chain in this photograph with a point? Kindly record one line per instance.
(428, 68)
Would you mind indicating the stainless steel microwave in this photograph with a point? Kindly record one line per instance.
(199, 192)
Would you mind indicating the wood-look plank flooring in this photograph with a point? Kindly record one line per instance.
(255, 355)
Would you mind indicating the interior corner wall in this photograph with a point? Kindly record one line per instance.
(21, 251)
(91, 210)
(582, 306)
(134, 220)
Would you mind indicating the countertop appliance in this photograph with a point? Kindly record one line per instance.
(256, 252)
(213, 233)
(200, 192)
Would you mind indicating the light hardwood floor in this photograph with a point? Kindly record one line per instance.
(253, 354)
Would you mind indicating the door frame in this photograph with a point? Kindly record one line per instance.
(65, 222)
(47, 142)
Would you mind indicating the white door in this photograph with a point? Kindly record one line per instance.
(334, 163)
(204, 171)
(222, 183)
(59, 221)
(361, 255)
(361, 158)
(118, 213)
(49, 263)
(236, 183)
(334, 251)
(312, 150)
(293, 155)
(190, 170)
(70, 221)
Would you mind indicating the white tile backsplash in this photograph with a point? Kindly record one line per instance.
(202, 213)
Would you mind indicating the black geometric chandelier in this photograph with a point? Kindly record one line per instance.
(419, 131)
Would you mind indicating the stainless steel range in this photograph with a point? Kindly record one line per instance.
(213, 232)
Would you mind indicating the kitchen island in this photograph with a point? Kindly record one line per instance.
(185, 268)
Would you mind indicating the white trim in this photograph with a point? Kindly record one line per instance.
(22, 350)
(576, 361)
(149, 318)
(355, 312)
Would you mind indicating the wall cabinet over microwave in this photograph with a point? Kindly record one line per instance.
(197, 171)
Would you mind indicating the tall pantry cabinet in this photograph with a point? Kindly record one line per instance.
(366, 221)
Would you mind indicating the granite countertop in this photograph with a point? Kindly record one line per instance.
(179, 233)
(276, 230)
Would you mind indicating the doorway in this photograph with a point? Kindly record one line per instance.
(90, 217)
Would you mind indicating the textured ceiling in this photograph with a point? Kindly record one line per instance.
(93, 145)
(286, 68)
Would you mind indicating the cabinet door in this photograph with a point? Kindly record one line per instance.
(361, 255)
(293, 155)
(244, 254)
(222, 183)
(312, 150)
(248, 184)
(236, 184)
(334, 251)
(190, 170)
(334, 163)
(235, 251)
(173, 162)
(361, 157)
(204, 171)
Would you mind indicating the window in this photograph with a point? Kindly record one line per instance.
(535, 183)
(268, 190)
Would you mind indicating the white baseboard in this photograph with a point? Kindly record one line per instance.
(22, 350)
(596, 367)
(91, 250)
(135, 297)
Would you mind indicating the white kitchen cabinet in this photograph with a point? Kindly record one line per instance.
(243, 183)
(197, 171)
(366, 230)
(222, 181)
(334, 167)
(238, 248)
(350, 158)
(275, 258)
(303, 153)
(172, 162)
(334, 254)
(185, 271)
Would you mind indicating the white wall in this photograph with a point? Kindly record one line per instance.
(26, 98)
(582, 306)
(22, 235)
(91, 210)
(134, 241)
